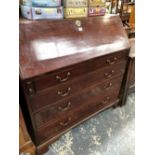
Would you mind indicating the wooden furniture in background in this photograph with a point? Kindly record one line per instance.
(26, 147)
(129, 85)
(70, 70)
(126, 9)
(131, 10)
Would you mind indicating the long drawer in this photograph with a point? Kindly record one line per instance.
(62, 108)
(71, 88)
(61, 76)
(96, 104)
(70, 73)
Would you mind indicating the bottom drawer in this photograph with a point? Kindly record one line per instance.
(94, 105)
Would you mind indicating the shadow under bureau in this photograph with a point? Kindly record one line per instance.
(70, 70)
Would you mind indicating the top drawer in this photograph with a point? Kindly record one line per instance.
(109, 60)
(61, 76)
(72, 72)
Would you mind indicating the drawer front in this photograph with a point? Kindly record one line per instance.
(72, 88)
(110, 60)
(61, 76)
(60, 109)
(72, 119)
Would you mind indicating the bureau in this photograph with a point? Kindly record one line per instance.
(70, 70)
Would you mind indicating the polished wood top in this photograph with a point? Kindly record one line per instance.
(47, 45)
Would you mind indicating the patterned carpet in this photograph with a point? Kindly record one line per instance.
(108, 133)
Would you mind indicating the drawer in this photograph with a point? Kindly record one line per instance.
(72, 88)
(73, 72)
(110, 60)
(61, 76)
(71, 119)
(62, 108)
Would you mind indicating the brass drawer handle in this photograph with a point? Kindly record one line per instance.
(108, 75)
(108, 85)
(111, 62)
(105, 101)
(63, 79)
(66, 122)
(63, 94)
(65, 108)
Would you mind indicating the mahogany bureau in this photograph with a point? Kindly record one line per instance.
(70, 70)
